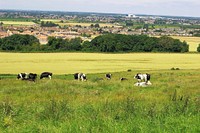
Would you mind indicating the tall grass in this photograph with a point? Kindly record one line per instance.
(171, 104)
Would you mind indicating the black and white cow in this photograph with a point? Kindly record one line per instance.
(32, 77)
(80, 76)
(142, 77)
(46, 75)
(22, 76)
(26, 76)
(142, 84)
(108, 76)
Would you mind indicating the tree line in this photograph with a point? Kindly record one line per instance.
(102, 43)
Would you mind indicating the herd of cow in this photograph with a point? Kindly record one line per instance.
(142, 79)
(33, 76)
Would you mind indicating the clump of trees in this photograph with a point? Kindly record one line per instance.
(48, 24)
(135, 43)
(19, 42)
(103, 43)
(60, 44)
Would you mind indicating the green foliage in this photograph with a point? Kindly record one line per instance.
(129, 23)
(95, 25)
(168, 44)
(60, 44)
(198, 48)
(48, 24)
(18, 42)
(135, 43)
(103, 43)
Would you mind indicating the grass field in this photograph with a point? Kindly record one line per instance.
(17, 23)
(66, 63)
(170, 104)
(88, 24)
(76, 23)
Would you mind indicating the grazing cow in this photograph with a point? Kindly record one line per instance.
(143, 84)
(46, 75)
(108, 75)
(80, 76)
(142, 77)
(32, 77)
(122, 79)
(25, 76)
(22, 76)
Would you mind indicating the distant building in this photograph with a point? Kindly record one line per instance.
(131, 16)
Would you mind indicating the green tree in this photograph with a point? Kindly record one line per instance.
(19, 42)
(96, 25)
(198, 48)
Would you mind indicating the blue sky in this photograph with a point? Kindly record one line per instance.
(151, 7)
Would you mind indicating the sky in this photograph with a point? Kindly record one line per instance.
(189, 8)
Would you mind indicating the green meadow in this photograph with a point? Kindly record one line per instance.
(170, 104)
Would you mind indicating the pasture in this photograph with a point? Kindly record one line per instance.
(170, 104)
(68, 63)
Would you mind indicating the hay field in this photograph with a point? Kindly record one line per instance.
(192, 41)
(88, 24)
(66, 63)
(17, 23)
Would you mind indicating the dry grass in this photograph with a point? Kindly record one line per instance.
(88, 24)
(66, 63)
(17, 23)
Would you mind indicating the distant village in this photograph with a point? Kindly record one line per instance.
(89, 25)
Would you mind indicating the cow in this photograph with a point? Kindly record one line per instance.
(22, 76)
(80, 76)
(46, 75)
(142, 77)
(26, 76)
(108, 76)
(142, 84)
(32, 77)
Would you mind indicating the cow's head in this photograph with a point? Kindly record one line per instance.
(137, 76)
(19, 76)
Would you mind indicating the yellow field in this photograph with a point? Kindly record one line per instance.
(17, 23)
(66, 63)
(192, 41)
(52, 20)
(88, 24)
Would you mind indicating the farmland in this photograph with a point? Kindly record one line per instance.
(170, 104)
(18, 23)
(67, 63)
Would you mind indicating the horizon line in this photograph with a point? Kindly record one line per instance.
(97, 12)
